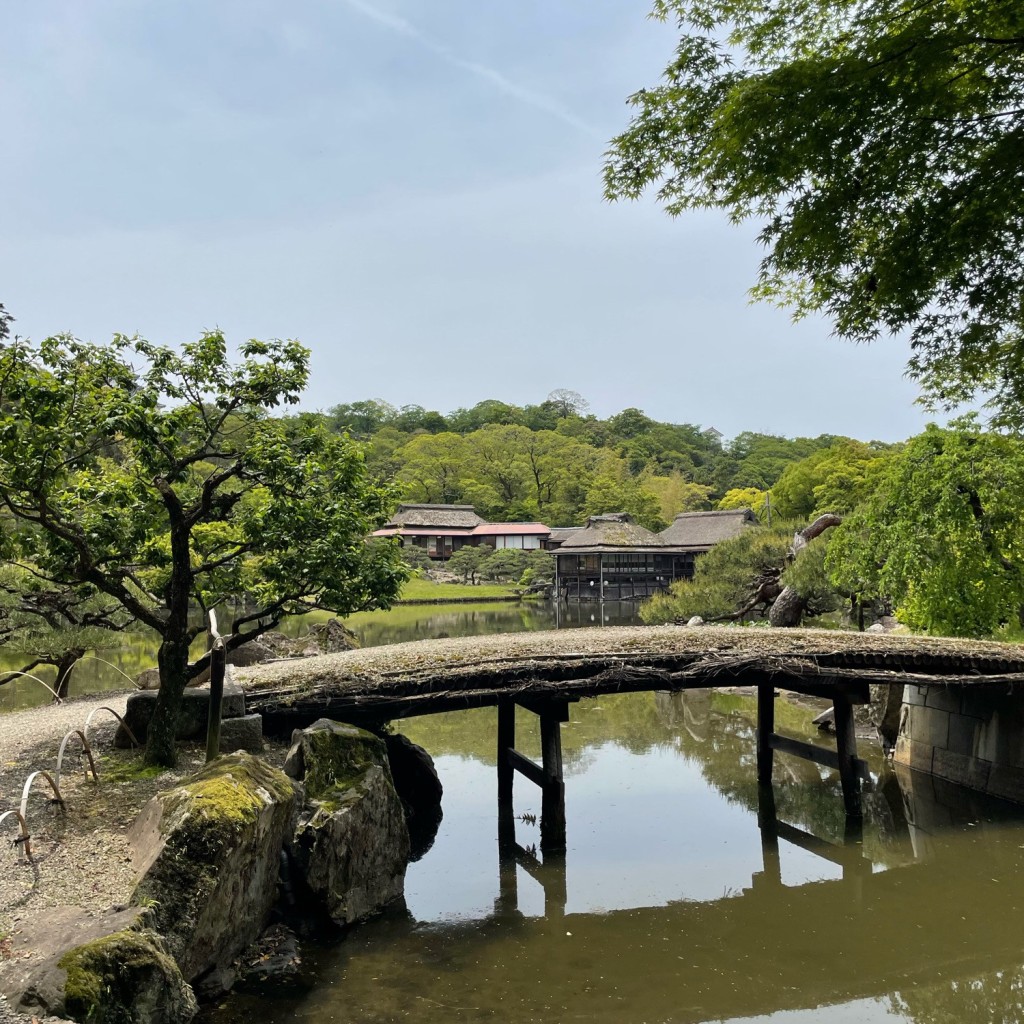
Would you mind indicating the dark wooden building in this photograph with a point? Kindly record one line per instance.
(613, 558)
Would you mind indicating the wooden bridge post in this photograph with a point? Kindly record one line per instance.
(552, 815)
(506, 743)
(765, 730)
(846, 745)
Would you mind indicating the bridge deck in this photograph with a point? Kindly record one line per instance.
(429, 676)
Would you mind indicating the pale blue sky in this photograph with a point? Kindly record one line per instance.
(413, 190)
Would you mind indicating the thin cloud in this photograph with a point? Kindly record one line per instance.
(401, 26)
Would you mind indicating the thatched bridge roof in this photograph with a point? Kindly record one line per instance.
(426, 676)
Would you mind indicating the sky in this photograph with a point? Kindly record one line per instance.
(413, 191)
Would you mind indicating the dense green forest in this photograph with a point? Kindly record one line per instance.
(557, 463)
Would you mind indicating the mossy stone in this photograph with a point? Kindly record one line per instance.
(124, 978)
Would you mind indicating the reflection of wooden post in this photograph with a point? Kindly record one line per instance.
(555, 891)
(767, 822)
(552, 818)
(846, 744)
(765, 729)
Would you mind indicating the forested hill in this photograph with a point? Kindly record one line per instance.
(555, 463)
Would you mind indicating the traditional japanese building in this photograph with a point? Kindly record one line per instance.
(613, 558)
(439, 529)
(519, 536)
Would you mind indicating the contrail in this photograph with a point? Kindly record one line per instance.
(401, 26)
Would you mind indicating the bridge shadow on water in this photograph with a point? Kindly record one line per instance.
(916, 913)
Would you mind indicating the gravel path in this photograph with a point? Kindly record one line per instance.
(80, 856)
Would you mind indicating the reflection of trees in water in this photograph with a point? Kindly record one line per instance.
(996, 997)
(718, 732)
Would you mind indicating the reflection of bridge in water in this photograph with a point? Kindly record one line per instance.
(544, 673)
(951, 912)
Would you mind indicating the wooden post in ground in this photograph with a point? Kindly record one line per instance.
(846, 744)
(552, 819)
(218, 663)
(765, 730)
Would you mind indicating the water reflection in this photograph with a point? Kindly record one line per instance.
(686, 894)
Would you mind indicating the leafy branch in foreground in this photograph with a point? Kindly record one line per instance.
(878, 143)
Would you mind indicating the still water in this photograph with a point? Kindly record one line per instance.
(116, 669)
(671, 902)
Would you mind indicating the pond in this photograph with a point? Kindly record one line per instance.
(116, 669)
(671, 902)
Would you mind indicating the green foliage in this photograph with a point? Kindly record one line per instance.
(807, 575)
(506, 564)
(942, 534)
(540, 568)
(725, 578)
(833, 479)
(157, 478)
(467, 562)
(746, 497)
(416, 557)
(879, 145)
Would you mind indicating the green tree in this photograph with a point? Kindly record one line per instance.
(676, 494)
(51, 624)
(746, 497)
(942, 534)
(736, 579)
(121, 465)
(506, 564)
(878, 143)
(433, 468)
(833, 479)
(540, 568)
(466, 562)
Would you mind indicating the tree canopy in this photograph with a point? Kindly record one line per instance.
(878, 144)
(942, 533)
(157, 478)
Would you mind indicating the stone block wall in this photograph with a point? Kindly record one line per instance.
(970, 735)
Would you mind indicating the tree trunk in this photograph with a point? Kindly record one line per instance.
(788, 609)
(68, 660)
(172, 659)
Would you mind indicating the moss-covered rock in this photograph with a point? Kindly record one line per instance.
(125, 978)
(208, 853)
(351, 845)
(106, 968)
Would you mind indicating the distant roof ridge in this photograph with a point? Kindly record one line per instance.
(716, 512)
(433, 504)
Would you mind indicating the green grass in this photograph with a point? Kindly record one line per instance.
(419, 589)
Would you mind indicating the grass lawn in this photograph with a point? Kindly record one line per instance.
(419, 589)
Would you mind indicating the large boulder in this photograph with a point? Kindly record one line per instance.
(208, 854)
(419, 788)
(351, 845)
(98, 968)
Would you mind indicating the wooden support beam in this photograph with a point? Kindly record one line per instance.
(846, 742)
(812, 752)
(545, 707)
(765, 731)
(522, 764)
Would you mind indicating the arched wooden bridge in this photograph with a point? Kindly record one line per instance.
(544, 672)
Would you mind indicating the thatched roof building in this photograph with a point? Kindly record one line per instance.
(701, 531)
(450, 517)
(615, 531)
